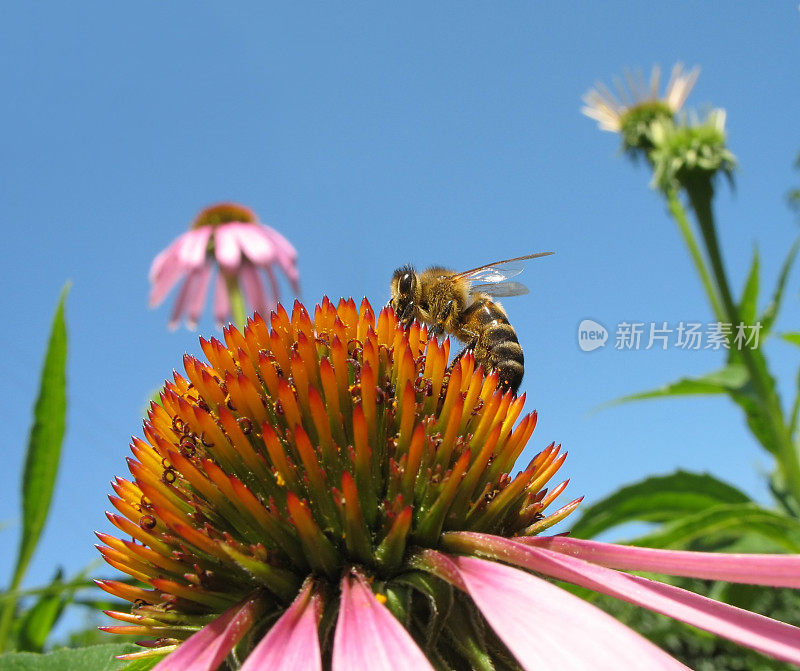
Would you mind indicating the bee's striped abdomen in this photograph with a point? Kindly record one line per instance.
(497, 346)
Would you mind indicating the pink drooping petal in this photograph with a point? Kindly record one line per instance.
(752, 569)
(193, 246)
(253, 288)
(197, 299)
(546, 627)
(286, 256)
(292, 643)
(283, 246)
(160, 262)
(222, 302)
(226, 247)
(188, 292)
(205, 650)
(179, 308)
(273, 294)
(768, 636)
(256, 246)
(164, 273)
(369, 637)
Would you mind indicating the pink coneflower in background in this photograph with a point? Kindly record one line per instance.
(230, 237)
(329, 493)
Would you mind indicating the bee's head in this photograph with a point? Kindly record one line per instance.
(404, 290)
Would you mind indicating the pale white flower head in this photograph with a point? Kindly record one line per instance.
(637, 102)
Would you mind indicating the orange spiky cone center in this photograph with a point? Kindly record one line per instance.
(307, 446)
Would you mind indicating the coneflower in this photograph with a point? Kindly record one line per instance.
(227, 237)
(329, 492)
(632, 111)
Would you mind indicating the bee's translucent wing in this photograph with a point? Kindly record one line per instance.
(500, 289)
(500, 271)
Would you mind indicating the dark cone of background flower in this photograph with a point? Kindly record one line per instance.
(305, 449)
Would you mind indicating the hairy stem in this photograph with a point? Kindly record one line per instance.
(700, 191)
(679, 214)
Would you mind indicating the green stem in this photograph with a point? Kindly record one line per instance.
(9, 609)
(238, 311)
(679, 214)
(700, 191)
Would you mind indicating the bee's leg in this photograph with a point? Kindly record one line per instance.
(457, 357)
(467, 348)
(438, 328)
(408, 313)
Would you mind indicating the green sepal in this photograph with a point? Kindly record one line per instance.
(467, 634)
(439, 597)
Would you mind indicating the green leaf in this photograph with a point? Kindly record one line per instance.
(771, 313)
(44, 444)
(42, 456)
(793, 338)
(750, 400)
(793, 417)
(783, 493)
(722, 381)
(726, 521)
(39, 620)
(657, 499)
(757, 420)
(92, 658)
(144, 664)
(749, 302)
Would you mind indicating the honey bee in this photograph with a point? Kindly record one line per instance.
(461, 304)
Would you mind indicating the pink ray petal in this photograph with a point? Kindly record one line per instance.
(283, 246)
(169, 271)
(369, 637)
(273, 294)
(159, 263)
(286, 256)
(205, 650)
(226, 247)
(545, 626)
(179, 308)
(185, 296)
(222, 302)
(197, 299)
(768, 636)
(253, 288)
(292, 644)
(193, 246)
(257, 246)
(752, 569)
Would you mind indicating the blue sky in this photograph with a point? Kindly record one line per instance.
(373, 135)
